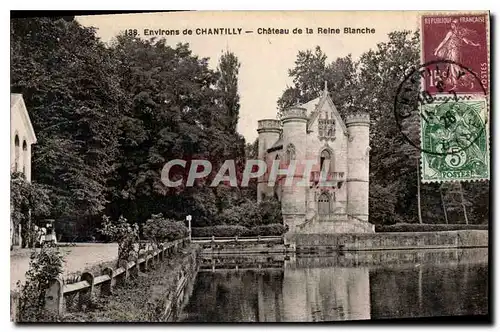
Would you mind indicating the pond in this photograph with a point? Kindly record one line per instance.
(310, 289)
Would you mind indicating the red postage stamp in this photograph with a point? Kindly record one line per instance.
(459, 43)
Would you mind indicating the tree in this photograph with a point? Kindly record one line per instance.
(381, 72)
(176, 108)
(109, 118)
(308, 76)
(312, 71)
(69, 83)
(252, 149)
(228, 84)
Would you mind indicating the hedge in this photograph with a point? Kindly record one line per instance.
(238, 230)
(427, 227)
(219, 231)
(266, 230)
(162, 229)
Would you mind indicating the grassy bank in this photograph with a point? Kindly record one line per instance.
(142, 299)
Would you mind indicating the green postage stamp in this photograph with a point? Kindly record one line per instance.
(455, 139)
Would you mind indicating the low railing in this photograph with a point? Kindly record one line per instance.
(257, 239)
(85, 288)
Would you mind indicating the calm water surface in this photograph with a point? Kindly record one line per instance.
(318, 289)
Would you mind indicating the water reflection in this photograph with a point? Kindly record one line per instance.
(318, 289)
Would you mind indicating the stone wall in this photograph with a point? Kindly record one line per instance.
(172, 300)
(387, 241)
(385, 259)
(336, 225)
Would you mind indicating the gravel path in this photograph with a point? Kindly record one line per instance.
(77, 258)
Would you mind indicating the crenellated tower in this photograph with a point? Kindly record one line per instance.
(293, 201)
(269, 133)
(358, 165)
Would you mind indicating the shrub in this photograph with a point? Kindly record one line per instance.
(403, 227)
(246, 214)
(219, 231)
(270, 211)
(250, 213)
(159, 229)
(122, 232)
(28, 202)
(45, 265)
(267, 230)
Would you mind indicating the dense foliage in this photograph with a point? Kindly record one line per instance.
(238, 230)
(107, 118)
(26, 197)
(159, 229)
(70, 85)
(120, 231)
(250, 213)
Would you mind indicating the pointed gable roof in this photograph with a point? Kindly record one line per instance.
(310, 106)
(324, 99)
(17, 103)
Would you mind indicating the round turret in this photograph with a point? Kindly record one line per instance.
(361, 119)
(293, 199)
(270, 125)
(294, 113)
(269, 133)
(358, 165)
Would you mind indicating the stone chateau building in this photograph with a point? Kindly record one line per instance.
(315, 131)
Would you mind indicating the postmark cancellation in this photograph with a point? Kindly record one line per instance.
(455, 140)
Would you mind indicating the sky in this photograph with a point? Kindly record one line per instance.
(265, 58)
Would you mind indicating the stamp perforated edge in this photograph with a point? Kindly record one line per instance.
(468, 97)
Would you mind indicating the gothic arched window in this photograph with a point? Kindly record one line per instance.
(325, 156)
(290, 152)
(25, 156)
(16, 153)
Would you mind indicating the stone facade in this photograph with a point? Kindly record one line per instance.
(323, 146)
(22, 136)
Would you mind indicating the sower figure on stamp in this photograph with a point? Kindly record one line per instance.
(450, 49)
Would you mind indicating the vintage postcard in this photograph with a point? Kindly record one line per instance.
(285, 166)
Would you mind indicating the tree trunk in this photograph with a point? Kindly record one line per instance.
(443, 204)
(463, 204)
(418, 193)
